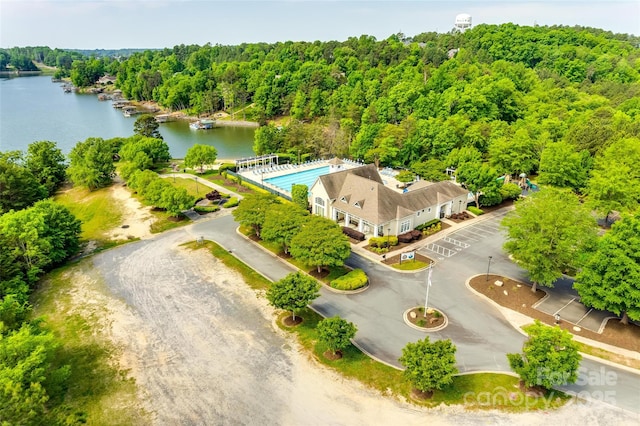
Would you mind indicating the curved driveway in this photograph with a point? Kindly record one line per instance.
(480, 332)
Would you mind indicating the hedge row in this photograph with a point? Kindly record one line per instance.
(428, 224)
(206, 209)
(475, 210)
(351, 281)
(408, 237)
(383, 242)
(356, 235)
(233, 201)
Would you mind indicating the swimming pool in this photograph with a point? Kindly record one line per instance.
(303, 177)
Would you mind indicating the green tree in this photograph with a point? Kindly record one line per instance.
(615, 183)
(432, 170)
(199, 155)
(19, 188)
(293, 292)
(282, 223)
(156, 149)
(300, 195)
(336, 333)
(147, 125)
(91, 163)
(175, 200)
(562, 166)
(549, 357)
(547, 233)
(29, 376)
(429, 366)
(47, 163)
(405, 176)
(477, 178)
(320, 243)
(610, 277)
(252, 210)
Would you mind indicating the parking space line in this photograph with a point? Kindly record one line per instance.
(570, 301)
(455, 242)
(464, 235)
(584, 316)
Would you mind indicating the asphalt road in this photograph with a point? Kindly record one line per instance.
(478, 329)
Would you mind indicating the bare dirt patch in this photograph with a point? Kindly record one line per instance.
(136, 219)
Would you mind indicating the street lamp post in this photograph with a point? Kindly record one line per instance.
(196, 178)
(488, 266)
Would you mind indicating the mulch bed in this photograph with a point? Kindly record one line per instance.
(220, 180)
(520, 299)
(427, 322)
(420, 395)
(328, 354)
(290, 322)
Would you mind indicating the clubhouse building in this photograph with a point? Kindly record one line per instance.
(359, 198)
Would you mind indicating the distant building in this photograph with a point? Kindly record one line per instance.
(463, 22)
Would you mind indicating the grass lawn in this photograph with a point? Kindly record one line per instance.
(410, 265)
(194, 188)
(100, 391)
(474, 391)
(96, 209)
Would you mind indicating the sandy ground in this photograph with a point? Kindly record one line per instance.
(135, 217)
(203, 349)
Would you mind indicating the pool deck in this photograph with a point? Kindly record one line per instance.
(259, 175)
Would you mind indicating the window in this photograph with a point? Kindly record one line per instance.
(319, 206)
(418, 214)
(405, 226)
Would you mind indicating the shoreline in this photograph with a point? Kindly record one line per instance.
(152, 107)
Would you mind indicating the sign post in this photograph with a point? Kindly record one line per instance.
(410, 255)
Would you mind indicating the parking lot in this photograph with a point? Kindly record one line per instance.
(462, 238)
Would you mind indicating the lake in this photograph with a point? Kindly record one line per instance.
(34, 109)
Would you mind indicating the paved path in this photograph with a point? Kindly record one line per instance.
(481, 333)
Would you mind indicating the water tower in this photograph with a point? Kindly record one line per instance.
(463, 22)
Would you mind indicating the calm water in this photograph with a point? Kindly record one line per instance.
(34, 109)
(304, 177)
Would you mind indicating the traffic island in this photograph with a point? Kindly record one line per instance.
(430, 320)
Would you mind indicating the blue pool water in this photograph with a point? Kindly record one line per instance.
(303, 177)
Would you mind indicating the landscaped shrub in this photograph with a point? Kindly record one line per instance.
(475, 210)
(356, 235)
(226, 166)
(510, 191)
(428, 224)
(233, 201)
(351, 281)
(490, 198)
(408, 237)
(383, 242)
(432, 229)
(206, 209)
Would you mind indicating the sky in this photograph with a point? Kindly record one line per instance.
(114, 24)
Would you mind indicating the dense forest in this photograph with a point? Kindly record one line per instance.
(400, 101)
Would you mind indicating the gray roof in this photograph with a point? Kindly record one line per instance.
(362, 193)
